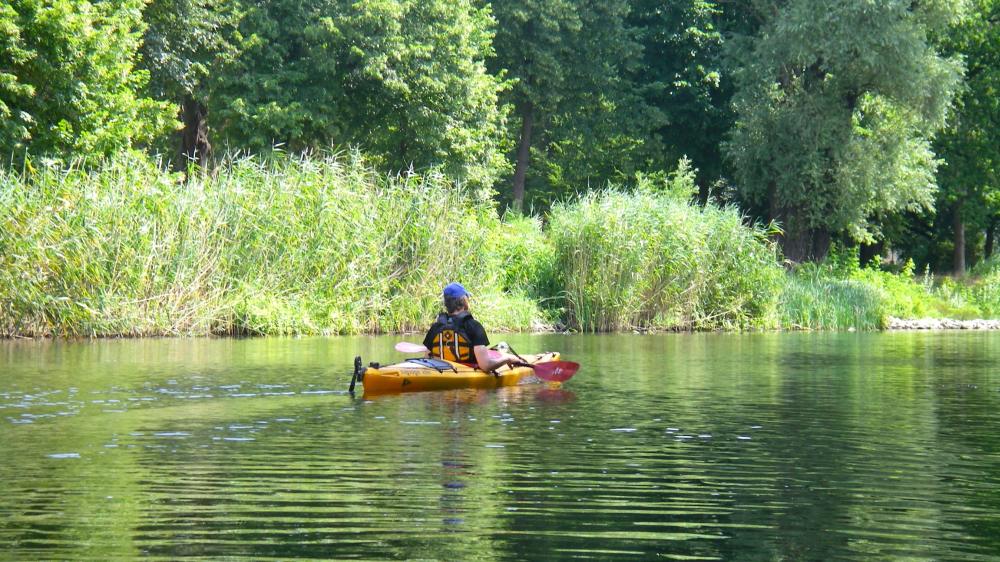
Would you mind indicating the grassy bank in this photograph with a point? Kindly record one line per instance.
(328, 245)
(290, 246)
(839, 295)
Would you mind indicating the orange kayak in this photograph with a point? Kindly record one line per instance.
(417, 375)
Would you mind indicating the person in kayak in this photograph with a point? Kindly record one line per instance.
(457, 336)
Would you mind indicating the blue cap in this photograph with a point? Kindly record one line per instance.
(455, 290)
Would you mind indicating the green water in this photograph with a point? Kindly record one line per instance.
(733, 447)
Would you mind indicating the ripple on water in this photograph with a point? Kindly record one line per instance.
(821, 453)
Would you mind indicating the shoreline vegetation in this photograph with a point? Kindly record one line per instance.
(635, 167)
(328, 245)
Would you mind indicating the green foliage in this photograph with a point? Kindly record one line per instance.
(404, 80)
(982, 287)
(984, 293)
(837, 102)
(987, 267)
(526, 256)
(68, 82)
(331, 246)
(613, 88)
(678, 184)
(648, 260)
(904, 296)
(970, 144)
(184, 43)
(287, 246)
(566, 61)
(812, 300)
(838, 294)
(683, 105)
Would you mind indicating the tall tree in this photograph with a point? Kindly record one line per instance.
(837, 101)
(68, 81)
(566, 59)
(403, 79)
(970, 145)
(685, 107)
(185, 43)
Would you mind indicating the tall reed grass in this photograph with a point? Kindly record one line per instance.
(292, 245)
(839, 295)
(812, 299)
(651, 260)
(327, 245)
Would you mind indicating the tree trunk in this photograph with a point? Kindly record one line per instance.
(800, 243)
(796, 242)
(523, 153)
(821, 240)
(990, 239)
(194, 136)
(959, 230)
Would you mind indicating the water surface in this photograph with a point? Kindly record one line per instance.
(704, 447)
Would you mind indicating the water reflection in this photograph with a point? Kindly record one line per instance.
(753, 447)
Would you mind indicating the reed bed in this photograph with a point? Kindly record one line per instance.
(287, 245)
(646, 260)
(841, 295)
(325, 245)
(811, 300)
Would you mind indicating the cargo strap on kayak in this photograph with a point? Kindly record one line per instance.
(436, 364)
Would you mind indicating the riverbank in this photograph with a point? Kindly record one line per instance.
(331, 246)
(942, 324)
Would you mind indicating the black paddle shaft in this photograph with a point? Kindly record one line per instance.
(516, 354)
(357, 374)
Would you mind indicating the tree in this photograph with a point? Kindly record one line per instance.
(970, 145)
(184, 45)
(679, 81)
(403, 79)
(836, 103)
(565, 58)
(68, 82)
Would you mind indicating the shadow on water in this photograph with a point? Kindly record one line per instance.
(748, 447)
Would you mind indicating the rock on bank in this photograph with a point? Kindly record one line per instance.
(942, 324)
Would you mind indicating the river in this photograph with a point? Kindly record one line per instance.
(679, 446)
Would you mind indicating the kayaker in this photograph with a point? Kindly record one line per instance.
(457, 336)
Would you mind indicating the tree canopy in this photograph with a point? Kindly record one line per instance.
(69, 82)
(837, 103)
(970, 146)
(840, 120)
(404, 80)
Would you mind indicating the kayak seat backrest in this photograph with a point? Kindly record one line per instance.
(436, 364)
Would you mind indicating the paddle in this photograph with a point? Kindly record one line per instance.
(407, 347)
(553, 371)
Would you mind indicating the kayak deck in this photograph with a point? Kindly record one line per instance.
(418, 375)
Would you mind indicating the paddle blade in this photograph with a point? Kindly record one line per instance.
(407, 347)
(555, 371)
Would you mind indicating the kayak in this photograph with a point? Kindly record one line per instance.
(421, 374)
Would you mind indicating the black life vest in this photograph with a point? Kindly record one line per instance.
(449, 340)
